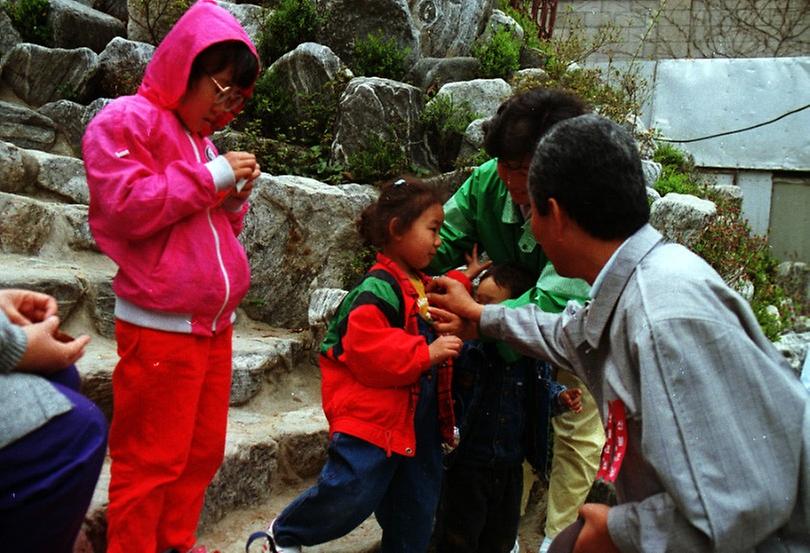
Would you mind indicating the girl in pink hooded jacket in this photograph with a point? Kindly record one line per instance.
(167, 209)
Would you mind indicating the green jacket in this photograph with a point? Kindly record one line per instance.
(482, 212)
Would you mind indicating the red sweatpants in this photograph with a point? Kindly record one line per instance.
(167, 437)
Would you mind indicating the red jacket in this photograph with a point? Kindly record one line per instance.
(371, 366)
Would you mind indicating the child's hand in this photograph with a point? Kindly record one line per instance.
(244, 166)
(572, 398)
(443, 348)
(474, 265)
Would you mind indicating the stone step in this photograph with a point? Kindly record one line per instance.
(277, 439)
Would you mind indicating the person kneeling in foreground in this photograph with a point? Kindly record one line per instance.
(709, 428)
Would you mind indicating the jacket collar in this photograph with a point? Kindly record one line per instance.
(402, 277)
(600, 309)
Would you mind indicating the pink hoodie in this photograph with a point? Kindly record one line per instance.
(153, 199)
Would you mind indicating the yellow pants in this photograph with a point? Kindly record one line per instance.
(578, 442)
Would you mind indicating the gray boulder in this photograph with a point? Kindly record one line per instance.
(449, 27)
(9, 37)
(95, 106)
(76, 25)
(115, 8)
(300, 235)
(681, 217)
(311, 73)
(26, 128)
(250, 16)
(651, 170)
(381, 108)
(499, 20)
(13, 177)
(61, 175)
(34, 227)
(483, 95)
(433, 73)
(67, 118)
(529, 77)
(794, 346)
(39, 75)
(473, 139)
(121, 66)
(349, 20)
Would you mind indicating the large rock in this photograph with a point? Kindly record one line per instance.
(76, 25)
(794, 346)
(61, 175)
(250, 16)
(483, 95)
(500, 21)
(681, 217)
(115, 8)
(9, 37)
(67, 118)
(346, 21)
(473, 139)
(39, 75)
(651, 170)
(62, 282)
(121, 66)
(33, 227)
(26, 128)
(449, 27)
(383, 109)
(311, 72)
(13, 176)
(433, 73)
(300, 235)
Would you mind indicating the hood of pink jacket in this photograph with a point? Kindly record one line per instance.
(204, 24)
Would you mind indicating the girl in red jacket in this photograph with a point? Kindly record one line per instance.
(386, 391)
(167, 210)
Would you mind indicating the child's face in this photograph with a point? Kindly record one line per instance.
(489, 292)
(208, 103)
(416, 247)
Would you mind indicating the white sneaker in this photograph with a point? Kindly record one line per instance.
(516, 549)
(270, 546)
(545, 545)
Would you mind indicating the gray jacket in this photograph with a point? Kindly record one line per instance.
(718, 454)
(27, 401)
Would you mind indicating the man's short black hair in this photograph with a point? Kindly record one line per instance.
(591, 167)
(524, 118)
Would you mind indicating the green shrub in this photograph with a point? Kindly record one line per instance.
(445, 123)
(382, 158)
(30, 18)
(378, 56)
(499, 56)
(728, 245)
(277, 156)
(290, 24)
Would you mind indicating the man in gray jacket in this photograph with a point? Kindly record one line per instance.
(708, 428)
(52, 439)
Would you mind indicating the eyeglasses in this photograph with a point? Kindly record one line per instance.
(229, 98)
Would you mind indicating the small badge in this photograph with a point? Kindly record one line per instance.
(209, 153)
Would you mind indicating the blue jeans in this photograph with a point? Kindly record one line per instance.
(358, 479)
(48, 476)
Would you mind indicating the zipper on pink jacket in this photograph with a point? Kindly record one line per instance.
(217, 247)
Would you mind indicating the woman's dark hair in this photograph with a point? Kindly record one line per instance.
(403, 199)
(591, 167)
(231, 53)
(512, 276)
(524, 118)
